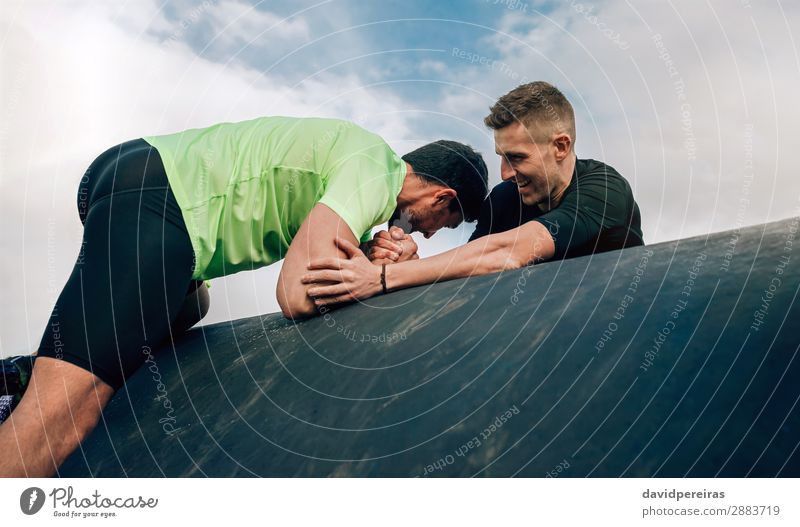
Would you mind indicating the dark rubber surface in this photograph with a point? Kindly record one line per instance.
(473, 378)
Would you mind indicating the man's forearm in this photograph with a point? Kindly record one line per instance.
(490, 254)
(478, 257)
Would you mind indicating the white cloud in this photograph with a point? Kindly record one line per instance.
(432, 67)
(77, 77)
(740, 70)
(239, 23)
(96, 78)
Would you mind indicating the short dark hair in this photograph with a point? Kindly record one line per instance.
(537, 103)
(457, 166)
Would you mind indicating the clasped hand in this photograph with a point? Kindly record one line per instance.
(338, 280)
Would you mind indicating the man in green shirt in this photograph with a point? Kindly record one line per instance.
(245, 190)
(550, 206)
(162, 214)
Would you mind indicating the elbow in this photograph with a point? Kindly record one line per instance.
(295, 304)
(519, 247)
(297, 313)
(296, 309)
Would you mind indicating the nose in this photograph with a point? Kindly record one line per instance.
(506, 171)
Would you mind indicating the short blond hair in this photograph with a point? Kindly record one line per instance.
(536, 103)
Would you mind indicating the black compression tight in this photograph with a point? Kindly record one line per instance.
(133, 271)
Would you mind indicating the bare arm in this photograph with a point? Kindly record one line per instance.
(496, 252)
(512, 249)
(314, 240)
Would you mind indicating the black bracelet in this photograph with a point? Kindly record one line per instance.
(383, 278)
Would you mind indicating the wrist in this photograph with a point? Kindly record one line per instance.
(391, 278)
(377, 281)
(384, 289)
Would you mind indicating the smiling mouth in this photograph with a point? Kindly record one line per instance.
(523, 184)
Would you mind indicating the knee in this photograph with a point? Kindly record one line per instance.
(194, 308)
(203, 301)
(61, 392)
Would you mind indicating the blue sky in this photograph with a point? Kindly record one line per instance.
(693, 102)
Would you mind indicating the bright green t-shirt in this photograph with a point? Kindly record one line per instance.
(245, 188)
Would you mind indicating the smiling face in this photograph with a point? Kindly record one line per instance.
(534, 165)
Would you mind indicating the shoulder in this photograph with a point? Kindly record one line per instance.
(321, 128)
(593, 172)
(348, 140)
(500, 212)
(505, 192)
(594, 168)
(350, 131)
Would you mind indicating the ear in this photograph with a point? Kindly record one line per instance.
(563, 146)
(443, 196)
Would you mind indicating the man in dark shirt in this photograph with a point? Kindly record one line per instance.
(550, 206)
(597, 213)
(585, 205)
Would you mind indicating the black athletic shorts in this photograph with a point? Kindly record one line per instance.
(133, 271)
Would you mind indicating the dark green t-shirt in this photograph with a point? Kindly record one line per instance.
(596, 214)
